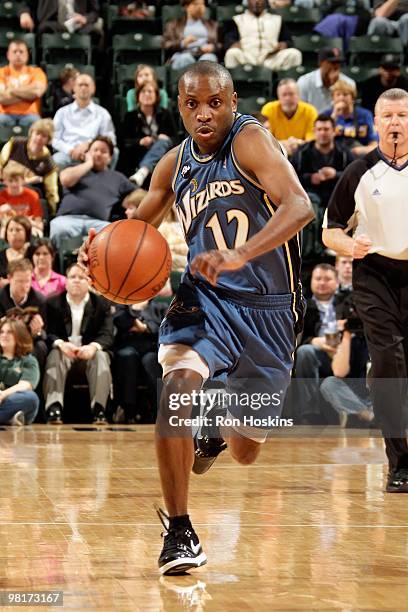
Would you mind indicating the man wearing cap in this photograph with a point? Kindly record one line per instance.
(390, 19)
(389, 76)
(315, 86)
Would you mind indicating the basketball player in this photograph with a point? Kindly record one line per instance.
(371, 199)
(240, 302)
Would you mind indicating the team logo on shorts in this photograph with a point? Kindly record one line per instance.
(185, 170)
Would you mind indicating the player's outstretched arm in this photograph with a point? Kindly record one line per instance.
(259, 155)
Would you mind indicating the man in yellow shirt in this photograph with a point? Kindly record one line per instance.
(290, 119)
(21, 87)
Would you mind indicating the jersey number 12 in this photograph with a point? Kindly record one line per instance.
(241, 235)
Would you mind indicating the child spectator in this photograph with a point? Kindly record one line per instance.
(144, 73)
(63, 93)
(16, 199)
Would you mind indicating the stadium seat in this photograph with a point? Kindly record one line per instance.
(227, 12)
(53, 70)
(252, 81)
(367, 50)
(9, 15)
(68, 251)
(170, 12)
(299, 20)
(6, 38)
(125, 77)
(252, 104)
(140, 48)
(6, 132)
(309, 45)
(116, 24)
(65, 47)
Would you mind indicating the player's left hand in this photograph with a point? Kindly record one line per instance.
(211, 263)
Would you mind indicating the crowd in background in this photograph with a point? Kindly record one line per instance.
(82, 166)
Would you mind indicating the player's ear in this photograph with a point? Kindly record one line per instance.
(234, 101)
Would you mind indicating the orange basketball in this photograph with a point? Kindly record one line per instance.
(129, 261)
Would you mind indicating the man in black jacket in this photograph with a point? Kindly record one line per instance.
(80, 330)
(56, 16)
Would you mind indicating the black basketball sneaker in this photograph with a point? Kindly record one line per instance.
(181, 549)
(398, 481)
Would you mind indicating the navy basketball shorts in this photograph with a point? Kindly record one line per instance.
(247, 340)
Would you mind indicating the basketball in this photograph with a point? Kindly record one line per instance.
(129, 261)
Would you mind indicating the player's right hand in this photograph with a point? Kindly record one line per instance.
(83, 258)
(361, 246)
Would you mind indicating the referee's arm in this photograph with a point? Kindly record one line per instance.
(339, 218)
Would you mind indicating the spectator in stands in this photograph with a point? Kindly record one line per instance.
(21, 87)
(390, 19)
(90, 191)
(258, 38)
(78, 123)
(290, 119)
(319, 165)
(346, 391)
(59, 15)
(320, 162)
(314, 87)
(16, 199)
(17, 234)
(63, 93)
(191, 37)
(354, 124)
(318, 346)
(389, 75)
(81, 333)
(136, 351)
(152, 129)
(19, 374)
(32, 153)
(19, 292)
(344, 268)
(145, 73)
(45, 280)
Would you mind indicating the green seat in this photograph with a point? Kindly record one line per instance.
(367, 50)
(65, 47)
(139, 48)
(299, 20)
(125, 77)
(53, 70)
(117, 24)
(251, 105)
(176, 11)
(227, 12)
(7, 132)
(68, 251)
(7, 37)
(252, 81)
(359, 74)
(309, 45)
(9, 14)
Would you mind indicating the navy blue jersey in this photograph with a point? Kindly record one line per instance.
(221, 207)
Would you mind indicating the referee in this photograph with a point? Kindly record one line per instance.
(371, 201)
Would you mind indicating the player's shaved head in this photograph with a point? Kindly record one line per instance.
(210, 70)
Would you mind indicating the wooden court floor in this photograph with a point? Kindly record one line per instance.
(308, 527)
